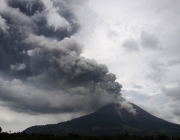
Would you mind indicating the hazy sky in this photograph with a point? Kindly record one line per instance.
(57, 58)
(139, 42)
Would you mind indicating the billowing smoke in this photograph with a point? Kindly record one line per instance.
(42, 63)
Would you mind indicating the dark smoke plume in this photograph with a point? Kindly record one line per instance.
(43, 63)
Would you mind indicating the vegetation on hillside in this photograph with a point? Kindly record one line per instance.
(71, 136)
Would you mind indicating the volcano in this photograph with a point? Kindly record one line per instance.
(111, 120)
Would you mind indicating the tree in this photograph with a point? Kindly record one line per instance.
(0, 133)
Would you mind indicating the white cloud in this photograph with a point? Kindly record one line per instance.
(149, 41)
(155, 25)
(131, 45)
(17, 122)
(158, 71)
(105, 25)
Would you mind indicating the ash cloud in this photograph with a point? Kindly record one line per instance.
(3, 25)
(43, 61)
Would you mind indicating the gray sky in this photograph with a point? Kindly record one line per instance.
(139, 42)
(55, 43)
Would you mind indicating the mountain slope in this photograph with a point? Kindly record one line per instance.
(110, 120)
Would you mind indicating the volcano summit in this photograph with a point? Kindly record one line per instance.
(111, 120)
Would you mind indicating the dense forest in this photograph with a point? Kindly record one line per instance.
(71, 136)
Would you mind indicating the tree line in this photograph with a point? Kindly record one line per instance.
(71, 136)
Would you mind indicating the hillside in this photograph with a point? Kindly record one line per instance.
(110, 120)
